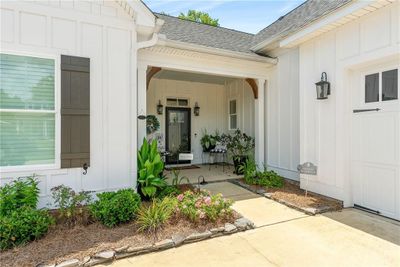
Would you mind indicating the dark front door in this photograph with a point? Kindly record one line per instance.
(177, 123)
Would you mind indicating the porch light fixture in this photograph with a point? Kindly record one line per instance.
(160, 108)
(323, 87)
(196, 109)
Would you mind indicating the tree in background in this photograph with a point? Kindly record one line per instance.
(198, 16)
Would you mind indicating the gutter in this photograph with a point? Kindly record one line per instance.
(163, 41)
(154, 38)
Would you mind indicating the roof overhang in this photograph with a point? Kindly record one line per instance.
(163, 41)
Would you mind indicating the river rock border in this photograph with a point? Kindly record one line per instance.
(241, 224)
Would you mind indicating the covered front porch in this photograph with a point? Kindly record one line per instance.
(192, 94)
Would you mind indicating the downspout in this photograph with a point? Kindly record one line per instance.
(154, 38)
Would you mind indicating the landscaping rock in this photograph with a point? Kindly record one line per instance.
(69, 263)
(85, 260)
(107, 255)
(244, 224)
(198, 236)
(178, 239)
(260, 191)
(95, 261)
(140, 250)
(230, 228)
(45, 265)
(121, 249)
(164, 244)
(268, 195)
(217, 230)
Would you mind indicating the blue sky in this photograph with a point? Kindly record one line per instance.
(244, 15)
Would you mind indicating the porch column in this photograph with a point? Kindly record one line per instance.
(141, 103)
(259, 124)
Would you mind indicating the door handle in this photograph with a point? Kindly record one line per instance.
(365, 110)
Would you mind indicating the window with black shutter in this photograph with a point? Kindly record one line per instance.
(75, 111)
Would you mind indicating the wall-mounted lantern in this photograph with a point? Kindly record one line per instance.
(323, 87)
(196, 109)
(160, 108)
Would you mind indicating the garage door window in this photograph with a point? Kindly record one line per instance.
(381, 86)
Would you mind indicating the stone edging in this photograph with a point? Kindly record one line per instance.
(261, 192)
(241, 224)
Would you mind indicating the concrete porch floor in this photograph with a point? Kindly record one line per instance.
(286, 237)
(211, 173)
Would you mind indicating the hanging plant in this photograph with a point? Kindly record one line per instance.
(152, 124)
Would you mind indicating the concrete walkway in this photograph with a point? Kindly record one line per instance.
(285, 237)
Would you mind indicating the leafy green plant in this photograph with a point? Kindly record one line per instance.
(176, 179)
(23, 225)
(203, 206)
(23, 192)
(168, 191)
(72, 205)
(153, 217)
(264, 178)
(150, 168)
(239, 144)
(152, 124)
(113, 208)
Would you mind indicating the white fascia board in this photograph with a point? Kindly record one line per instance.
(143, 15)
(215, 51)
(335, 16)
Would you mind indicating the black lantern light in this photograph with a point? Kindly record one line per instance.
(196, 109)
(323, 87)
(160, 108)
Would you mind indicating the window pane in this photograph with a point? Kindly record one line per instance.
(372, 88)
(232, 107)
(233, 121)
(26, 138)
(26, 82)
(390, 87)
(183, 102)
(171, 101)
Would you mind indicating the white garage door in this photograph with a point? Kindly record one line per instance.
(375, 145)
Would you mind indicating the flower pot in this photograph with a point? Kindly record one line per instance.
(239, 161)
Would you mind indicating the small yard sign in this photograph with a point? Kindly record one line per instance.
(307, 168)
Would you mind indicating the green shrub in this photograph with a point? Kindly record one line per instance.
(113, 208)
(17, 194)
(152, 218)
(72, 205)
(150, 168)
(263, 178)
(23, 225)
(169, 191)
(203, 207)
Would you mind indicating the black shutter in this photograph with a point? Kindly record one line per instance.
(75, 111)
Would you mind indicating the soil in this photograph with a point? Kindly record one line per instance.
(63, 243)
(292, 193)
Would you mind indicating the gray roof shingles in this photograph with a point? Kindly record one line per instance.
(218, 37)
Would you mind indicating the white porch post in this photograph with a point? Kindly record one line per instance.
(141, 103)
(259, 124)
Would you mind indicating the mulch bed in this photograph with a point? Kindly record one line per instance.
(63, 243)
(292, 195)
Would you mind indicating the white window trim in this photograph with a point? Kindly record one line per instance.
(56, 111)
(177, 98)
(229, 114)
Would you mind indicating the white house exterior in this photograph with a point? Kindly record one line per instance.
(272, 76)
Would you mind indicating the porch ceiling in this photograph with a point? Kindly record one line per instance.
(192, 77)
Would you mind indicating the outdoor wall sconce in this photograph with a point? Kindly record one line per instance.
(323, 87)
(160, 108)
(196, 109)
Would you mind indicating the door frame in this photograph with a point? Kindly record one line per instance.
(167, 109)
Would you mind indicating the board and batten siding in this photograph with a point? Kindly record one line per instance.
(324, 125)
(282, 136)
(102, 32)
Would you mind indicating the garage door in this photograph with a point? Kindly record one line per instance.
(375, 144)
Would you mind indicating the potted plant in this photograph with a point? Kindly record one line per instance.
(208, 141)
(239, 145)
(150, 170)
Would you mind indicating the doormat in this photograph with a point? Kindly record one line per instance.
(182, 168)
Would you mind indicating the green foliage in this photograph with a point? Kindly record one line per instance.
(198, 16)
(152, 124)
(176, 179)
(17, 194)
(263, 178)
(203, 207)
(23, 225)
(168, 191)
(239, 144)
(150, 168)
(152, 218)
(208, 141)
(72, 205)
(113, 208)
